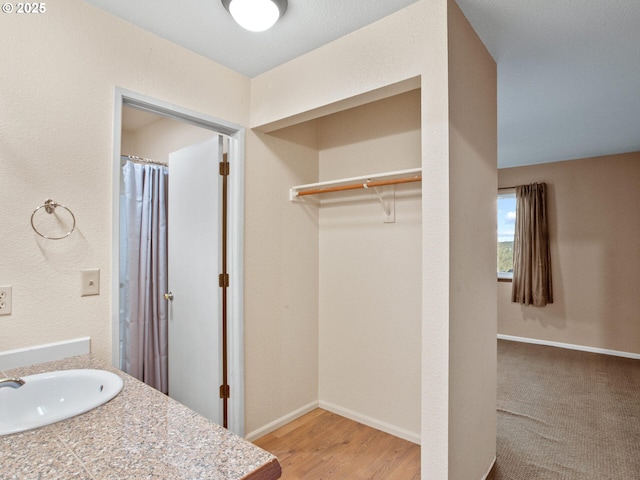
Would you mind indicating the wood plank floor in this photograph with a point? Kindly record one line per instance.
(321, 445)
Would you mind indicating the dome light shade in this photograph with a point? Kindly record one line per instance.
(256, 15)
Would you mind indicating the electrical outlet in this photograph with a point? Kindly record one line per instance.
(90, 282)
(5, 300)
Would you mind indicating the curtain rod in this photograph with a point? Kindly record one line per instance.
(135, 159)
(506, 188)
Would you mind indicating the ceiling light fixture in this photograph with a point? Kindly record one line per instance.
(256, 15)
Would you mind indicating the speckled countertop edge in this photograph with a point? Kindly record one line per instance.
(141, 433)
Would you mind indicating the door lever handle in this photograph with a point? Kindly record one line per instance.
(168, 296)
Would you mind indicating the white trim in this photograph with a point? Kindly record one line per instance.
(570, 346)
(270, 427)
(235, 230)
(493, 462)
(235, 305)
(343, 412)
(371, 422)
(115, 229)
(48, 352)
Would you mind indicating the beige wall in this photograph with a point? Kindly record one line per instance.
(410, 43)
(391, 52)
(352, 69)
(128, 143)
(472, 256)
(158, 139)
(593, 207)
(59, 73)
(281, 277)
(370, 271)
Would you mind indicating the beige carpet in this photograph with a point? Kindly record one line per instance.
(564, 414)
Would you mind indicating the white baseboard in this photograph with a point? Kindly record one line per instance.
(570, 346)
(290, 417)
(371, 422)
(343, 412)
(49, 352)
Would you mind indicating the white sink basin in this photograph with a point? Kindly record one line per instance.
(47, 398)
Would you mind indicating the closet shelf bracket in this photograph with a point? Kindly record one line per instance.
(386, 195)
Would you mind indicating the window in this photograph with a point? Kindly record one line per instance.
(506, 230)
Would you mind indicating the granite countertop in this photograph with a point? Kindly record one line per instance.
(140, 434)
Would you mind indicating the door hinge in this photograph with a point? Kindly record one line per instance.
(224, 168)
(225, 391)
(223, 280)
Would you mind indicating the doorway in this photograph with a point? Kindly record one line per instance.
(196, 348)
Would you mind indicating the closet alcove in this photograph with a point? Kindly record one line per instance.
(368, 271)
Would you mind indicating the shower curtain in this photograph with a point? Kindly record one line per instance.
(144, 352)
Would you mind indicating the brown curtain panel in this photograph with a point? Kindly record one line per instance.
(531, 257)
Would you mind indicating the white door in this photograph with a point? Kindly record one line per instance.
(194, 264)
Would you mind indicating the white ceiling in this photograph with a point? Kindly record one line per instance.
(568, 70)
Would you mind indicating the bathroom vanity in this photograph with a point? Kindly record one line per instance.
(140, 433)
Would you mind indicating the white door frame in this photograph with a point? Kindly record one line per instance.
(235, 231)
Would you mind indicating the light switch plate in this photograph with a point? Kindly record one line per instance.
(90, 282)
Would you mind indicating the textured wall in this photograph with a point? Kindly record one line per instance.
(472, 259)
(408, 44)
(281, 277)
(370, 271)
(59, 72)
(387, 52)
(162, 137)
(594, 227)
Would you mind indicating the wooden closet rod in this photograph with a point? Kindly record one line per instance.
(355, 186)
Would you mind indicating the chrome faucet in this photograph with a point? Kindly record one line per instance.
(11, 382)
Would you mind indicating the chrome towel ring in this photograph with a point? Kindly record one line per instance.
(49, 206)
